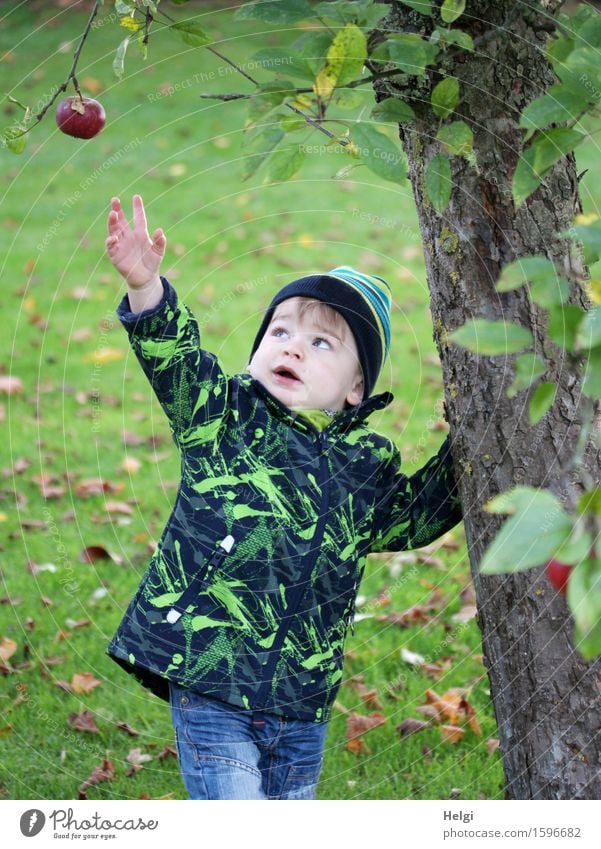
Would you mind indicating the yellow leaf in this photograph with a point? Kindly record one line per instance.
(587, 218)
(3, 517)
(344, 60)
(132, 24)
(306, 240)
(594, 289)
(104, 355)
(29, 304)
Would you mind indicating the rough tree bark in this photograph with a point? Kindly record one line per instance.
(547, 700)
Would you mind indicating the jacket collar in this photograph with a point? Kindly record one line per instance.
(342, 421)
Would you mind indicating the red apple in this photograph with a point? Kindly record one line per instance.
(558, 574)
(83, 117)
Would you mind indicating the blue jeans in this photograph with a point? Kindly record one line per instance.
(226, 752)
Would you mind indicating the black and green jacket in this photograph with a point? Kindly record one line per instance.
(249, 593)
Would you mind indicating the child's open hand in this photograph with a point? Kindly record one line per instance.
(134, 254)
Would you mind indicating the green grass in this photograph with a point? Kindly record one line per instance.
(231, 246)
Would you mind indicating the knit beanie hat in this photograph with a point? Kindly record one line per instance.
(363, 300)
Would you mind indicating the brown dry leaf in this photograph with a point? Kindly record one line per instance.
(469, 711)
(84, 682)
(83, 721)
(137, 758)
(451, 734)
(492, 745)
(123, 726)
(97, 552)
(7, 648)
(81, 334)
(428, 710)
(467, 612)
(167, 752)
(75, 624)
(20, 465)
(358, 746)
(131, 465)
(92, 85)
(64, 685)
(447, 705)
(357, 724)
(106, 772)
(96, 486)
(10, 384)
(412, 726)
(120, 507)
(434, 670)
(408, 617)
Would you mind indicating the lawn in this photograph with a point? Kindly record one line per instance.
(87, 458)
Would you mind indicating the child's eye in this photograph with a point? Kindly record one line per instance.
(279, 332)
(320, 342)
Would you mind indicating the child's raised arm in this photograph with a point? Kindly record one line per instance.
(135, 255)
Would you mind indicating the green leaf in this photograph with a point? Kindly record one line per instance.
(589, 235)
(379, 153)
(439, 184)
(559, 105)
(451, 10)
(393, 110)
(452, 36)
(563, 325)
(348, 98)
(492, 338)
(124, 8)
(423, 6)
(528, 368)
(589, 330)
(364, 13)
(344, 60)
(276, 59)
(258, 148)
(276, 12)
(536, 162)
(14, 138)
(191, 33)
(537, 527)
(457, 139)
(584, 601)
(592, 378)
(541, 401)
(445, 96)
(292, 124)
(408, 51)
(581, 72)
(267, 96)
(311, 48)
(546, 286)
(590, 502)
(119, 60)
(282, 163)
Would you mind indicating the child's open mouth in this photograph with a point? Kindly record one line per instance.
(286, 375)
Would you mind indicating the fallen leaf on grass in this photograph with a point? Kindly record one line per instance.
(7, 648)
(106, 772)
(357, 725)
(119, 507)
(408, 617)
(451, 733)
(123, 726)
(492, 745)
(412, 658)
(96, 486)
(136, 758)
(104, 355)
(467, 612)
(98, 552)
(167, 752)
(10, 385)
(84, 682)
(412, 726)
(83, 721)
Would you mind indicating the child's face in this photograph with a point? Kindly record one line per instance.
(305, 364)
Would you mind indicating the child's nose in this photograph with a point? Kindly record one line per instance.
(294, 347)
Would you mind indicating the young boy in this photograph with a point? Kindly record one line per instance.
(241, 616)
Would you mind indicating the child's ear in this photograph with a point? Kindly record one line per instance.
(355, 396)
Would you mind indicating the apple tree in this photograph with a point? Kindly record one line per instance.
(480, 104)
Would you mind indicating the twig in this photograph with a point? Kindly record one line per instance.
(71, 75)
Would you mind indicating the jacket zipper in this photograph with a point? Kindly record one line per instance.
(296, 598)
(199, 580)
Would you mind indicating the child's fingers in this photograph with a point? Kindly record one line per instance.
(159, 241)
(140, 224)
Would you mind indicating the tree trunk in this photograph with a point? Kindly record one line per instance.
(547, 700)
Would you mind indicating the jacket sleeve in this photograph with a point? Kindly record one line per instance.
(188, 381)
(414, 511)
